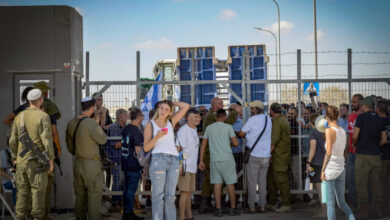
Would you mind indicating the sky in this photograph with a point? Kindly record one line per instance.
(115, 29)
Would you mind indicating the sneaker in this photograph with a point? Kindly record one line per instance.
(234, 212)
(313, 202)
(218, 213)
(270, 207)
(283, 209)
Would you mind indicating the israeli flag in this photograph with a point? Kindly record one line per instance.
(151, 98)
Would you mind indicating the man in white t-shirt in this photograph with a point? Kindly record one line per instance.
(258, 162)
(188, 140)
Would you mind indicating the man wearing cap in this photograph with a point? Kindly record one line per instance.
(368, 135)
(277, 178)
(83, 137)
(207, 188)
(258, 162)
(30, 183)
(52, 110)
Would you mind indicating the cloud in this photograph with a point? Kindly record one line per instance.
(285, 27)
(227, 14)
(162, 44)
(320, 36)
(105, 45)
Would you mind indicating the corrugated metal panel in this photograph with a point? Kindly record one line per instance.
(204, 59)
(258, 69)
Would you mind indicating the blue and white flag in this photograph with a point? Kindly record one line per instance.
(151, 98)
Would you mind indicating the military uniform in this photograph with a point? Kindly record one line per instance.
(54, 113)
(87, 169)
(52, 110)
(31, 185)
(277, 178)
(207, 187)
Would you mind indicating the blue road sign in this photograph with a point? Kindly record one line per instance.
(309, 87)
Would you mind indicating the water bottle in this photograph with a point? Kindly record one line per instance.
(324, 192)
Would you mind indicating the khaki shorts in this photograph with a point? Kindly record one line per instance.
(187, 182)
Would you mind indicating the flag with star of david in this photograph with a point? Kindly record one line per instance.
(151, 98)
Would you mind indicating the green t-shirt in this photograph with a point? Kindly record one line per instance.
(219, 135)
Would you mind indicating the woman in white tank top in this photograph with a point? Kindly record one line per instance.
(164, 167)
(333, 168)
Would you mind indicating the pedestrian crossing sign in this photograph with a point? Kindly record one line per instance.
(311, 87)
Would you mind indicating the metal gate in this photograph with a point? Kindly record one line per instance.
(334, 91)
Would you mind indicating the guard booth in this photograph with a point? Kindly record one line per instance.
(43, 43)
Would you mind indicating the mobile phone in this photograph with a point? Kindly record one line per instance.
(164, 129)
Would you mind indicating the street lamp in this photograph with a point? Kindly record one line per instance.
(315, 40)
(280, 68)
(276, 48)
(276, 55)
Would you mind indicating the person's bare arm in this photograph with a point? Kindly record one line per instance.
(313, 147)
(234, 141)
(202, 150)
(330, 136)
(4, 174)
(149, 142)
(355, 135)
(383, 138)
(9, 119)
(241, 134)
(183, 108)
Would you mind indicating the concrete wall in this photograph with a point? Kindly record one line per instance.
(40, 40)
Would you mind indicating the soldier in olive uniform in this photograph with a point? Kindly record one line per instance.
(277, 178)
(207, 187)
(83, 136)
(30, 183)
(52, 110)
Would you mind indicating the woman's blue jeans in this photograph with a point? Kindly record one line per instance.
(164, 173)
(335, 191)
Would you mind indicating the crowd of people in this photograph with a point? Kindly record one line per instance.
(179, 141)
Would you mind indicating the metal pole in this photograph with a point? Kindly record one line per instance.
(87, 74)
(315, 40)
(138, 70)
(299, 125)
(193, 76)
(280, 61)
(276, 59)
(349, 78)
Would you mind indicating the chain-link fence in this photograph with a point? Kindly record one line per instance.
(289, 92)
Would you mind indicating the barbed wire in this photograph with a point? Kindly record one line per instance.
(333, 64)
(330, 51)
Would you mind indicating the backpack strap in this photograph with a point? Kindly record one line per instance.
(74, 134)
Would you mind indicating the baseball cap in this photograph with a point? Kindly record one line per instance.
(257, 104)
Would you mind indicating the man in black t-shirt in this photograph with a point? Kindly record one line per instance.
(369, 134)
(381, 110)
(132, 141)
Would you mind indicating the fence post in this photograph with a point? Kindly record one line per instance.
(138, 72)
(299, 77)
(87, 74)
(350, 78)
(193, 78)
